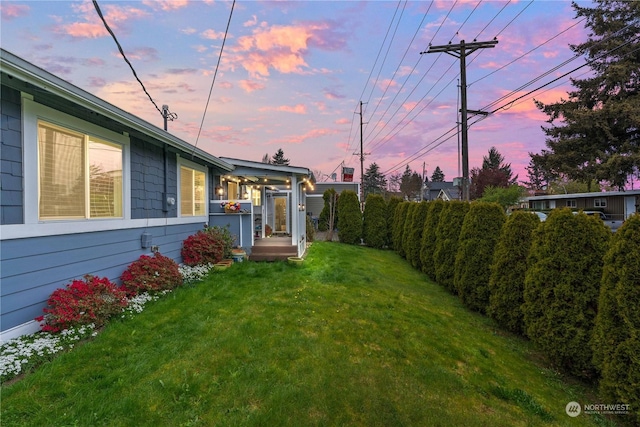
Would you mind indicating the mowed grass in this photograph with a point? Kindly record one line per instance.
(354, 337)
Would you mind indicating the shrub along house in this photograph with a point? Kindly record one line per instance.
(86, 188)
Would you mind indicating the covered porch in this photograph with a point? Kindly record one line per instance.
(271, 223)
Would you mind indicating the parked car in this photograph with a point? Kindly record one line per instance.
(612, 224)
(541, 215)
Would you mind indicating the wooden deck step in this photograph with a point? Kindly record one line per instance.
(272, 253)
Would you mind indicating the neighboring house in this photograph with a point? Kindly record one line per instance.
(616, 205)
(86, 188)
(445, 190)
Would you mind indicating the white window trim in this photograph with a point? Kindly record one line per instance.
(32, 112)
(32, 226)
(198, 167)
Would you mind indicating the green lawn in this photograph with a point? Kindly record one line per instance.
(354, 337)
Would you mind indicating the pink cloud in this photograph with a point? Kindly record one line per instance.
(90, 25)
(297, 109)
(250, 86)
(250, 23)
(10, 11)
(212, 35)
(299, 139)
(329, 94)
(342, 121)
(281, 47)
(166, 5)
(146, 54)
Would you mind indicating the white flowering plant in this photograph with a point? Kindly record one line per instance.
(22, 354)
(25, 353)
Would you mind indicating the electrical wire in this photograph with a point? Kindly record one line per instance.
(430, 147)
(530, 51)
(215, 73)
(115, 39)
(349, 142)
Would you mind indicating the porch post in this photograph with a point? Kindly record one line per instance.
(295, 201)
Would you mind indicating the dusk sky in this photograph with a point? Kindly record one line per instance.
(292, 74)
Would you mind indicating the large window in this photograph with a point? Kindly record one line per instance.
(79, 176)
(192, 192)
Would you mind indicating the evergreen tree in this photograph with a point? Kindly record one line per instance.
(478, 237)
(374, 226)
(598, 135)
(374, 181)
(399, 218)
(616, 338)
(390, 212)
(506, 285)
(349, 218)
(279, 158)
(410, 184)
(266, 159)
(562, 285)
(437, 175)
(447, 234)
(415, 235)
(429, 239)
(494, 173)
(407, 228)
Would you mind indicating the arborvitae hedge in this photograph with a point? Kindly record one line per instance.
(349, 218)
(428, 241)
(391, 210)
(480, 232)
(616, 337)
(562, 286)
(406, 232)
(398, 226)
(374, 226)
(415, 234)
(447, 233)
(506, 285)
(323, 219)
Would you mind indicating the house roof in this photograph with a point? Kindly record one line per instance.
(584, 195)
(18, 68)
(258, 172)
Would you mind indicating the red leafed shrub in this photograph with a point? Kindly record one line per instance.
(92, 300)
(206, 246)
(151, 274)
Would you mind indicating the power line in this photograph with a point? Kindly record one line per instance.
(115, 39)
(204, 113)
(527, 53)
(430, 147)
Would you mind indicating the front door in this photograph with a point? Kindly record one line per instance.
(281, 220)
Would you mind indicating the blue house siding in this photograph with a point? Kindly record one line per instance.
(11, 186)
(31, 269)
(147, 180)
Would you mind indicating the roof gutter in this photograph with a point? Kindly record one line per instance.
(18, 67)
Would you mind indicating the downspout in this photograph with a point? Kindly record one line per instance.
(165, 194)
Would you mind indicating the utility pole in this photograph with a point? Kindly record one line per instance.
(461, 51)
(361, 154)
(167, 115)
